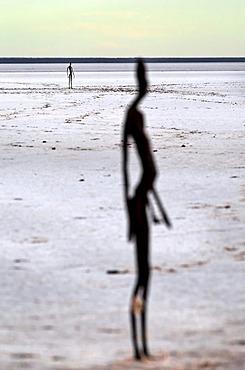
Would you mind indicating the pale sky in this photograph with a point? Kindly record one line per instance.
(164, 28)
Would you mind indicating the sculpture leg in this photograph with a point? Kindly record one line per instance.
(133, 319)
(138, 304)
(144, 319)
(144, 273)
(138, 316)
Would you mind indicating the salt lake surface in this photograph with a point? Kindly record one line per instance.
(63, 221)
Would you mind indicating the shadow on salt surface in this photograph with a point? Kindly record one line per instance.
(178, 360)
(165, 361)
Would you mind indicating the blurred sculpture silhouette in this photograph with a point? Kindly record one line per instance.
(70, 73)
(138, 228)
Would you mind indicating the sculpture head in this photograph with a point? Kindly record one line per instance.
(141, 76)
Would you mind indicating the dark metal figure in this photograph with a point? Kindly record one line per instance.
(70, 73)
(137, 212)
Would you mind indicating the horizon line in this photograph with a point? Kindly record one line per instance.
(119, 59)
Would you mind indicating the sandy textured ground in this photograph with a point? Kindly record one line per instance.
(63, 222)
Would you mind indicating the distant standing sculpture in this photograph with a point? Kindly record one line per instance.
(70, 74)
(137, 212)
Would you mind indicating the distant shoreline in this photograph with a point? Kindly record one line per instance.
(46, 60)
